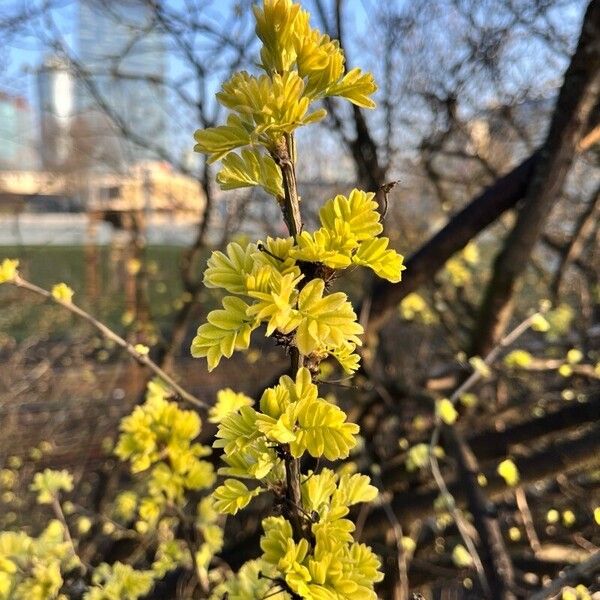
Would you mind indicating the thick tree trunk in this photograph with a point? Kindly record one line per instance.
(481, 212)
(567, 455)
(578, 96)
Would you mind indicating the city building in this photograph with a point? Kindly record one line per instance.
(151, 187)
(56, 106)
(121, 99)
(17, 148)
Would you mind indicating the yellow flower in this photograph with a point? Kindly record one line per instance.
(539, 323)
(514, 533)
(84, 524)
(141, 349)
(574, 356)
(468, 399)
(518, 359)
(565, 370)
(8, 270)
(509, 472)
(461, 557)
(470, 253)
(552, 516)
(568, 518)
(63, 293)
(446, 411)
(480, 366)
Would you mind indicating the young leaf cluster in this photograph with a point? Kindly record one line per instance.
(267, 285)
(282, 284)
(32, 568)
(301, 66)
(158, 438)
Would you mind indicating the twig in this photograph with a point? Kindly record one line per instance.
(114, 337)
(264, 249)
(60, 515)
(192, 549)
(574, 575)
(386, 188)
(285, 157)
(455, 512)
(523, 506)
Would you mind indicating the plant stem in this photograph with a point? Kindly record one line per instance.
(285, 158)
(467, 455)
(109, 334)
(60, 515)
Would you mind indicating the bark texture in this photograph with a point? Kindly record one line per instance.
(578, 96)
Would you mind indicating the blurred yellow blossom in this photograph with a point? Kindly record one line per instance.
(62, 292)
(8, 270)
(509, 472)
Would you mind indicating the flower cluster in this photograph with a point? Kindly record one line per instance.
(269, 286)
(301, 66)
(158, 436)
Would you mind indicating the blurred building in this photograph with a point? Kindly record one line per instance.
(122, 54)
(17, 148)
(151, 187)
(56, 105)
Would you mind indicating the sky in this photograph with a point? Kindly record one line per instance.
(25, 51)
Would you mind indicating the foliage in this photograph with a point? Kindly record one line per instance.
(283, 287)
(31, 568)
(119, 581)
(509, 472)
(158, 438)
(277, 293)
(49, 483)
(157, 441)
(282, 283)
(8, 270)
(62, 292)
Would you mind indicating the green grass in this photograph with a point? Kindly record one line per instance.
(101, 282)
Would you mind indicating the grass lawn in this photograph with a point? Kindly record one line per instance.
(106, 282)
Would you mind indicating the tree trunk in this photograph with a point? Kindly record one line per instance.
(578, 96)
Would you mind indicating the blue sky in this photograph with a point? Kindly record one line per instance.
(25, 52)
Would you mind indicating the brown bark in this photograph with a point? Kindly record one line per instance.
(503, 195)
(370, 174)
(583, 230)
(495, 444)
(578, 96)
(561, 457)
(494, 556)
(423, 264)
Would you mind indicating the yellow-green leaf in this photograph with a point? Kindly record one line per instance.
(327, 321)
(386, 263)
(229, 270)
(8, 270)
(248, 169)
(228, 401)
(356, 86)
(219, 141)
(227, 330)
(322, 430)
(359, 210)
(233, 495)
